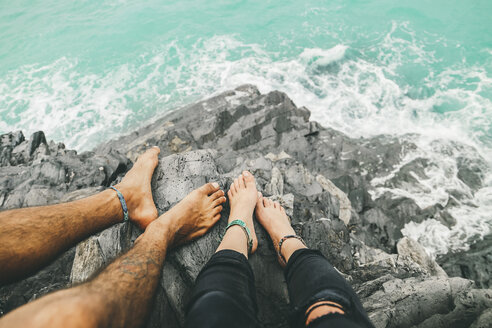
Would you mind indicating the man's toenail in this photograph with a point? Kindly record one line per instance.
(215, 184)
(259, 194)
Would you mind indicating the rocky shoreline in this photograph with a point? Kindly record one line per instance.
(320, 175)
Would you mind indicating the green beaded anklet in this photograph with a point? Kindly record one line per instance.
(242, 224)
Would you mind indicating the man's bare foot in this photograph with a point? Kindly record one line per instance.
(242, 197)
(195, 214)
(273, 218)
(136, 189)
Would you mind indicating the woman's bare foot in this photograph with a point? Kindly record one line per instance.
(194, 215)
(136, 189)
(273, 218)
(242, 198)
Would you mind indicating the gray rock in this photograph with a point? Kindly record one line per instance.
(474, 264)
(467, 306)
(88, 260)
(344, 201)
(320, 175)
(484, 321)
(471, 172)
(8, 142)
(410, 248)
(37, 139)
(431, 302)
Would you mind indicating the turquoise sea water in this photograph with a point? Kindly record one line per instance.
(87, 71)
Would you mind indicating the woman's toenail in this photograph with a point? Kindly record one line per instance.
(215, 184)
(246, 173)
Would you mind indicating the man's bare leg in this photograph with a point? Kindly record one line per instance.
(121, 295)
(33, 237)
(242, 198)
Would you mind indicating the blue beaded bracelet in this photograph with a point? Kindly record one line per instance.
(123, 204)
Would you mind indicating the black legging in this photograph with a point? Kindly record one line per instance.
(224, 295)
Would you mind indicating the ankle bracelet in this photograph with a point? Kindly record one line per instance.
(281, 242)
(243, 225)
(123, 204)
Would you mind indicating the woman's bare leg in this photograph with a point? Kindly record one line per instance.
(273, 218)
(242, 198)
(224, 293)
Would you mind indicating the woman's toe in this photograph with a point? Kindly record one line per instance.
(240, 180)
(248, 178)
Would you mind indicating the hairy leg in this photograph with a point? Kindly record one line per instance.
(121, 295)
(32, 237)
(242, 198)
(273, 218)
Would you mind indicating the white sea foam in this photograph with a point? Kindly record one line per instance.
(68, 107)
(473, 222)
(321, 57)
(344, 89)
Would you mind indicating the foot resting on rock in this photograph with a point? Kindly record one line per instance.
(242, 198)
(136, 188)
(195, 214)
(273, 218)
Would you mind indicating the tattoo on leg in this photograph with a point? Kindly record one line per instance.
(137, 266)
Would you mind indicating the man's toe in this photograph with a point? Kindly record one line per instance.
(209, 188)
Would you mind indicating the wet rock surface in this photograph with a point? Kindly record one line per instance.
(474, 264)
(322, 177)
